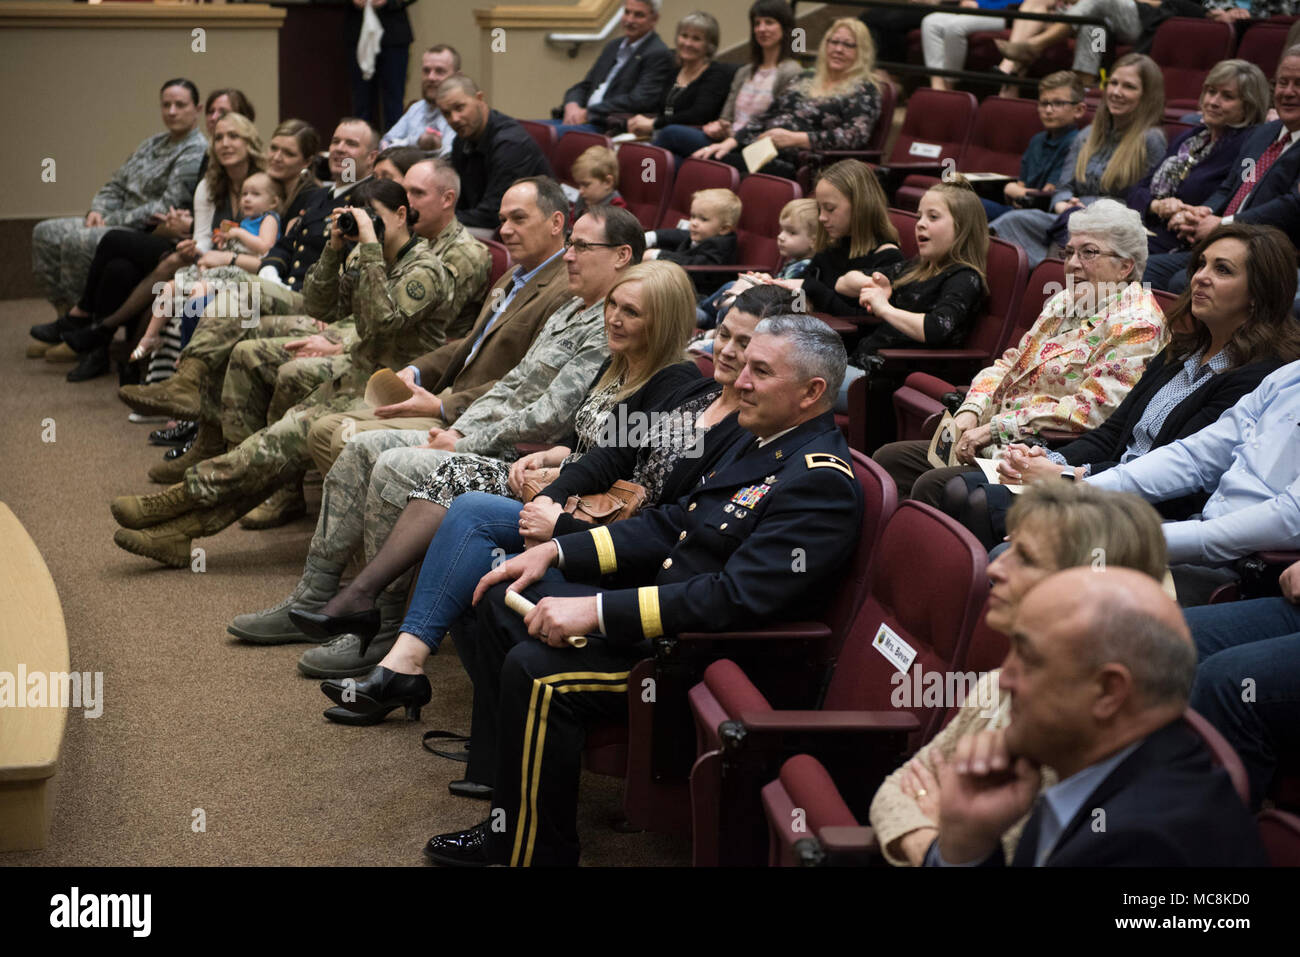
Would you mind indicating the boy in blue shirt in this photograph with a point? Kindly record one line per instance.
(1060, 104)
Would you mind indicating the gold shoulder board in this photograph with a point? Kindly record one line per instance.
(824, 460)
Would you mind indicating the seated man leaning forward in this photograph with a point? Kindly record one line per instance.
(721, 557)
(1099, 671)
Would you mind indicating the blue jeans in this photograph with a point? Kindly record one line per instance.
(1248, 683)
(478, 531)
(681, 140)
(561, 128)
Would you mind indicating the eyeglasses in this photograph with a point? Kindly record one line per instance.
(1056, 104)
(1087, 254)
(847, 44)
(581, 245)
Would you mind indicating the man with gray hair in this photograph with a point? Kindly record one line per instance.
(1100, 667)
(758, 540)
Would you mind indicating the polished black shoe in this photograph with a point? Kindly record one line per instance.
(91, 366)
(178, 434)
(460, 849)
(178, 451)
(52, 332)
(89, 338)
(313, 624)
(368, 700)
(469, 789)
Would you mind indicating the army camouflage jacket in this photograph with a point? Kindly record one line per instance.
(160, 173)
(537, 400)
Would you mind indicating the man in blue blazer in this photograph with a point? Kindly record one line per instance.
(1260, 187)
(1099, 671)
(629, 76)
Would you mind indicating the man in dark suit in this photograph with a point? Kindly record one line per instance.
(1099, 671)
(759, 539)
(629, 76)
(491, 151)
(1260, 187)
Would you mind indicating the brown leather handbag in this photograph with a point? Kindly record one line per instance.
(623, 500)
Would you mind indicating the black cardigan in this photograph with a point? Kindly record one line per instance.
(1102, 447)
(833, 262)
(662, 387)
(699, 101)
(603, 466)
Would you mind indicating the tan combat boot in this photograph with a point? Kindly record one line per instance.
(208, 443)
(145, 511)
(285, 504)
(177, 396)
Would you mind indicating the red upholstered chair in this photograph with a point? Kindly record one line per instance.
(1001, 134)
(905, 222)
(805, 813)
(572, 145)
(1279, 832)
(501, 260)
(1221, 754)
(1186, 48)
(694, 175)
(790, 660)
(762, 198)
(863, 728)
(645, 180)
(1262, 44)
(810, 161)
(917, 404)
(937, 127)
(1174, 127)
(544, 135)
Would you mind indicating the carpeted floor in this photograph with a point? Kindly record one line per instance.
(193, 719)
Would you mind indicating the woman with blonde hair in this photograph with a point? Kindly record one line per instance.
(1051, 527)
(1108, 159)
(833, 106)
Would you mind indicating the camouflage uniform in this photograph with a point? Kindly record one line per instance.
(399, 313)
(535, 402)
(161, 173)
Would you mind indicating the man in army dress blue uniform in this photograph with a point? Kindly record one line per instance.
(758, 539)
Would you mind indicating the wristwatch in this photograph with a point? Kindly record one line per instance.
(233, 257)
(1068, 475)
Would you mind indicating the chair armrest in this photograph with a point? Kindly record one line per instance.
(738, 268)
(820, 156)
(830, 722)
(1278, 558)
(1057, 437)
(787, 631)
(937, 355)
(842, 839)
(910, 166)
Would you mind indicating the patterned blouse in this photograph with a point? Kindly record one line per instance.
(841, 121)
(1072, 368)
(464, 472)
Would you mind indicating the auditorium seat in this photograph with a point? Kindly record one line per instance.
(645, 180)
(1279, 832)
(790, 661)
(868, 720)
(1263, 43)
(692, 176)
(762, 198)
(545, 135)
(1186, 48)
(1001, 134)
(501, 260)
(905, 222)
(572, 145)
(32, 638)
(810, 161)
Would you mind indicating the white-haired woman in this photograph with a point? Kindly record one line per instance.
(1074, 366)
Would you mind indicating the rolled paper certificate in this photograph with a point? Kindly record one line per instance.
(522, 606)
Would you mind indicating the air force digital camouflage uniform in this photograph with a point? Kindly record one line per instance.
(366, 490)
(399, 313)
(161, 173)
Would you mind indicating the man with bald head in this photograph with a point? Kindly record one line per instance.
(1100, 667)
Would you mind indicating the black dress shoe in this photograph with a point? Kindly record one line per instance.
(460, 849)
(92, 365)
(469, 789)
(178, 434)
(52, 332)
(368, 700)
(178, 451)
(89, 338)
(313, 624)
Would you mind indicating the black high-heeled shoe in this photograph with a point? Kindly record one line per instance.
(313, 624)
(89, 338)
(369, 700)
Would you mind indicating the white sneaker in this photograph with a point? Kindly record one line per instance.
(139, 419)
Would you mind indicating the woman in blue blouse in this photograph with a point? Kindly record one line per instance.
(1123, 144)
(1234, 99)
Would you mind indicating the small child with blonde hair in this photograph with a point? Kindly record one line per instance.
(260, 199)
(710, 240)
(595, 172)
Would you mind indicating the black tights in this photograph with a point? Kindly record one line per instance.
(970, 506)
(405, 545)
(122, 258)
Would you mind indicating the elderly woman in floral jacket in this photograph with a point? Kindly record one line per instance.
(1086, 350)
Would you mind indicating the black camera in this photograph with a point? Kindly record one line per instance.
(347, 224)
